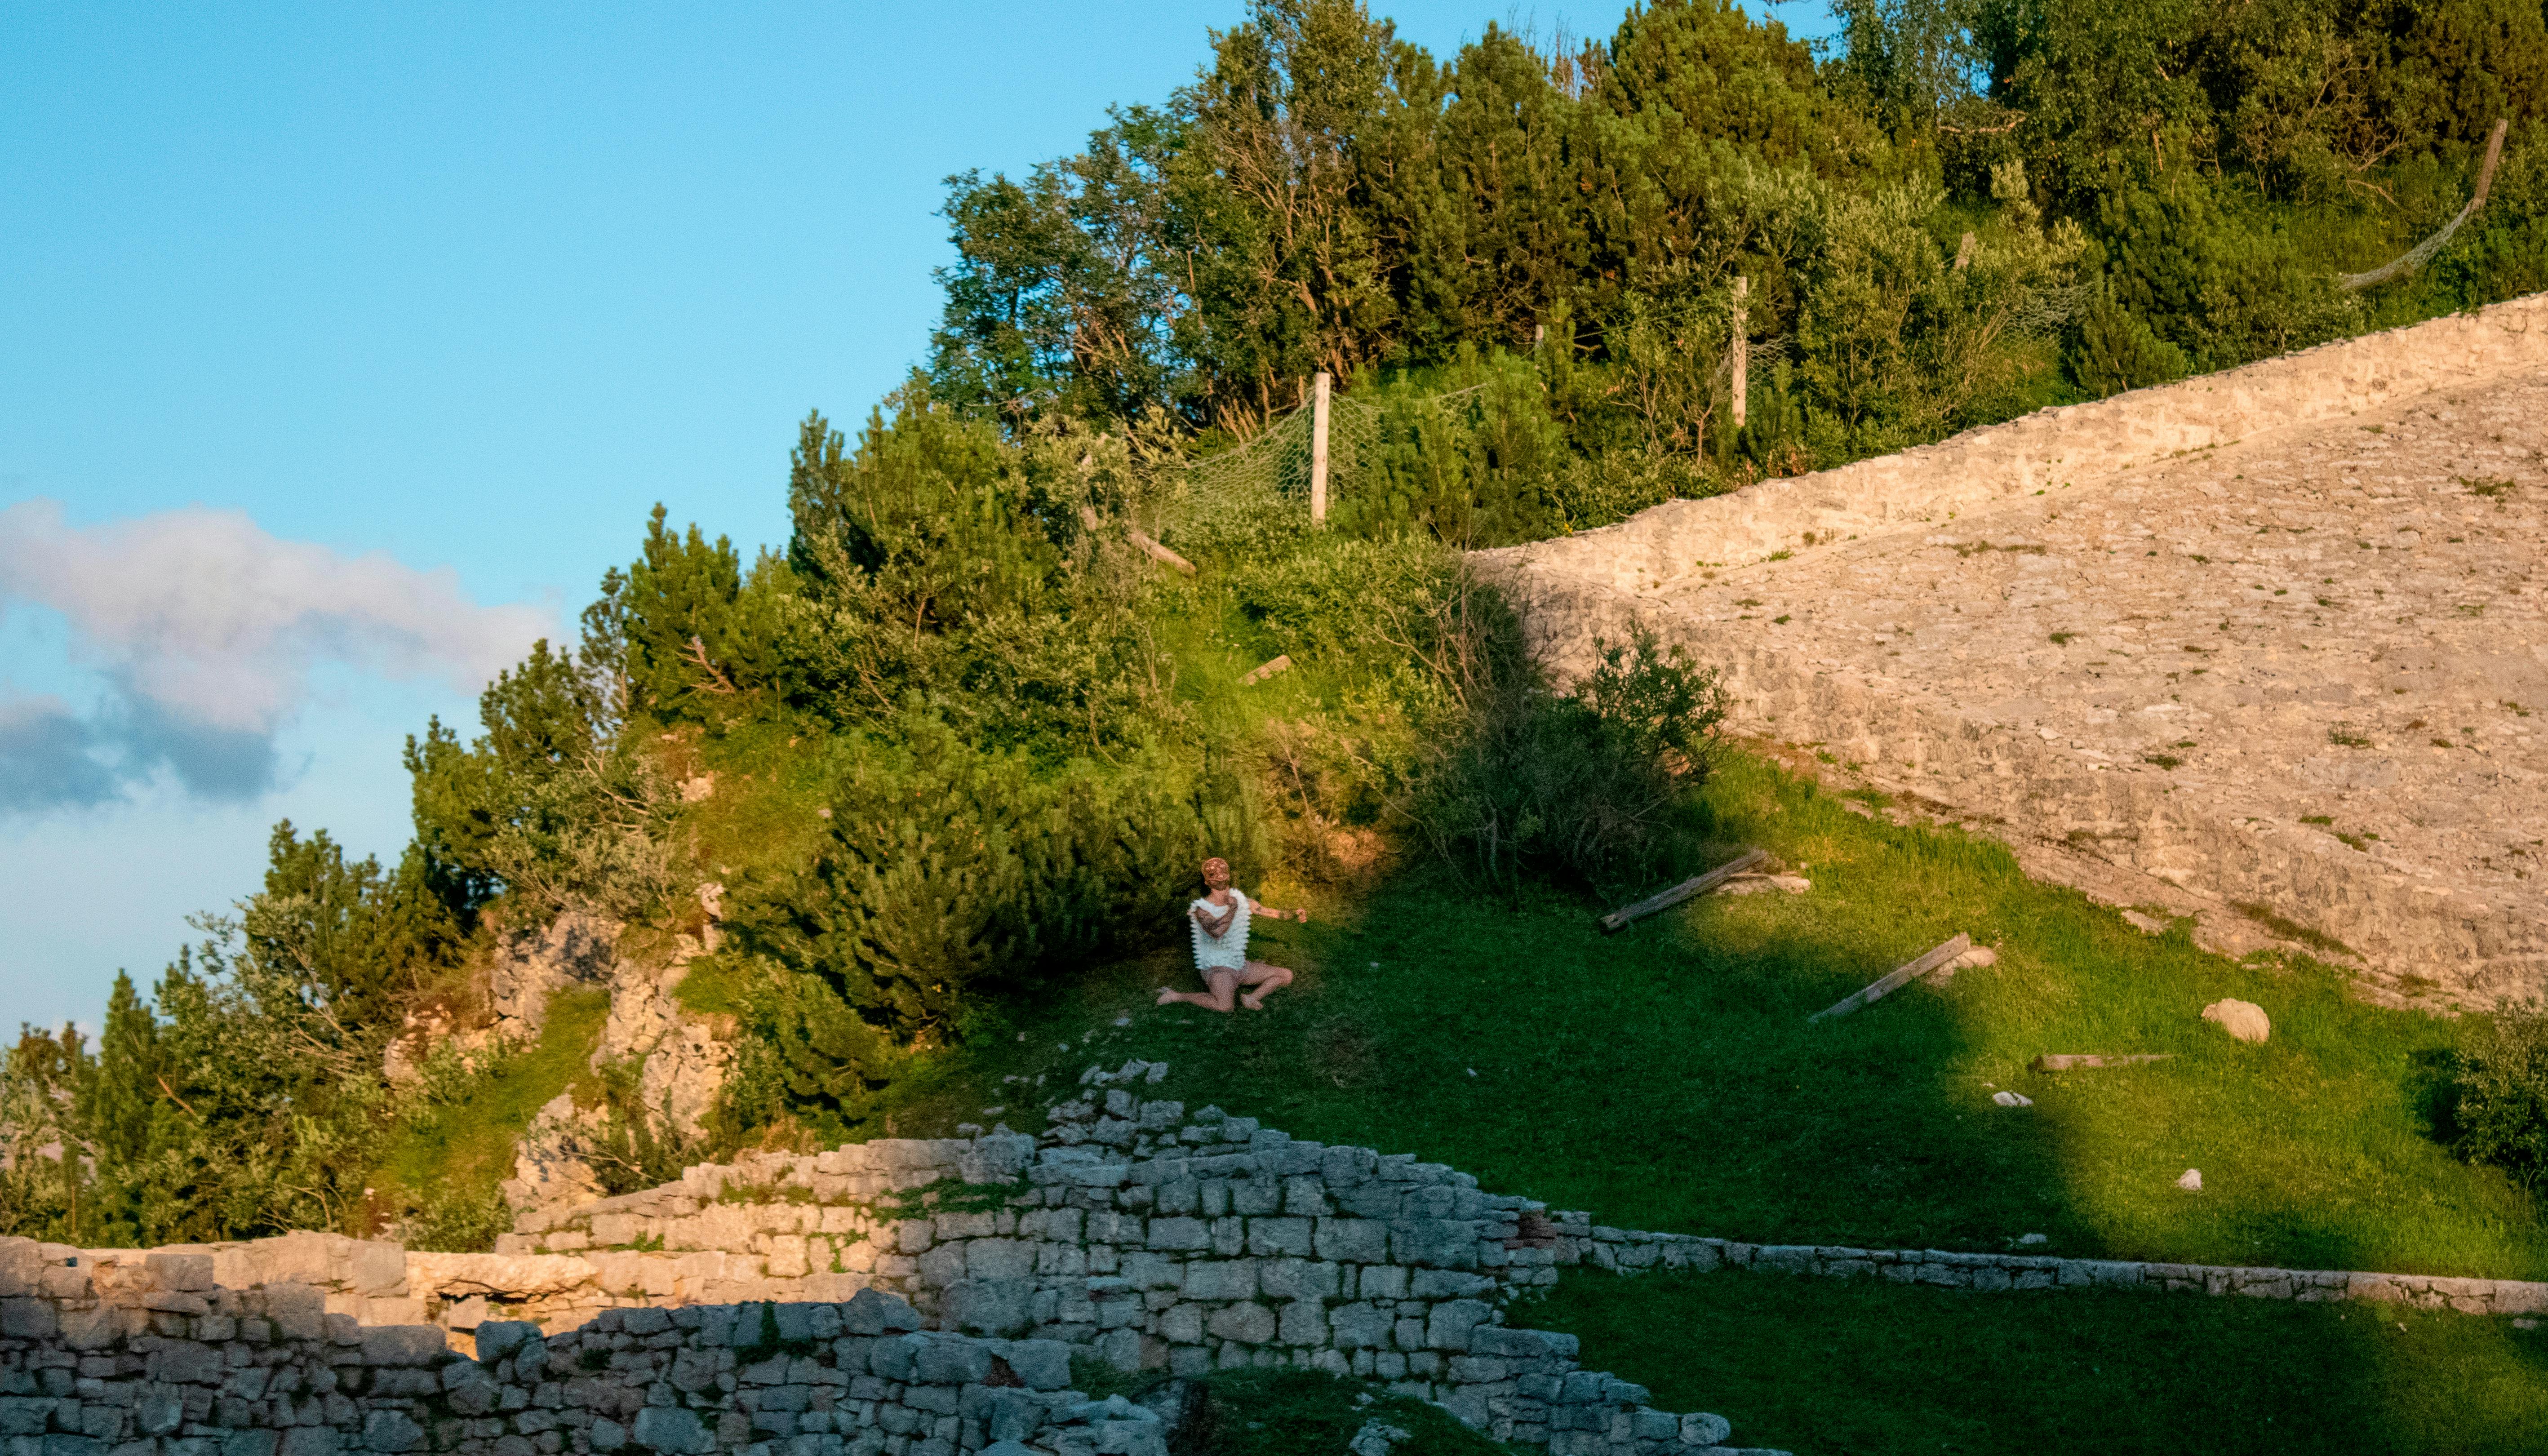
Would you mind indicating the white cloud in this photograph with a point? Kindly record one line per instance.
(206, 628)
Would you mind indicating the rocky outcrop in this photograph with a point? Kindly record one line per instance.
(534, 964)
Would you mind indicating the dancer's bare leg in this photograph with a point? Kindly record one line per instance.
(1224, 983)
(1262, 980)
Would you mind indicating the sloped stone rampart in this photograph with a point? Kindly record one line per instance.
(2273, 638)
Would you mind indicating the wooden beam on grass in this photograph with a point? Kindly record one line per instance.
(1263, 671)
(2067, 1062)
(1696, 885)
(1897, 977)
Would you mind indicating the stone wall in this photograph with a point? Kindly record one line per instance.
(2263, 649)
(153, 1358)
(1132, 1234)
(2069, 443)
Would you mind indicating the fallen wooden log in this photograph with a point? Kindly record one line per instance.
(1696, 885)
(1264, 670)
(2068, 1062)
(1149, 545)
(1162, 553)
(1896, 978)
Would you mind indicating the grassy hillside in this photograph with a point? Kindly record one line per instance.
(1667, 1077)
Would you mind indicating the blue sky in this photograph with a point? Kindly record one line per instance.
(346, 345)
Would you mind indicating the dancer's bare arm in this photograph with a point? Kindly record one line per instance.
(1214, 925)
(1270, 913)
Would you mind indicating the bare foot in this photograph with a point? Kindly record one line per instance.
(1167, 997)
(1252, 1003)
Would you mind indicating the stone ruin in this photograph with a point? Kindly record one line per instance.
(909, 1296)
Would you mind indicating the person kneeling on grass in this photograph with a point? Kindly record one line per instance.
(1221, 945)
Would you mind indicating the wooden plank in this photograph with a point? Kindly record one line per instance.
(1897, 977)
(1162, 553)
(2068, 1062)
(1264, 670)
(1149, 545)
(1696, 885)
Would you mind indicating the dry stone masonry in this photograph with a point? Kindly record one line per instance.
(920, 1297)
(1131, 1234)
(2272, 638)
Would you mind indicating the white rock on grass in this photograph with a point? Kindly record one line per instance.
(2191, 1180)
(2244, 1019)
(2012, 1099)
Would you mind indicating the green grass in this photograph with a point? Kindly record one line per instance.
(1860, 1366)
(1667, 1078)
(463, 1148)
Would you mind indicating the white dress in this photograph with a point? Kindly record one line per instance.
(1228, 949)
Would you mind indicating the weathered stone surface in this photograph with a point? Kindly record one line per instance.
(2244, 1019)
(672, 1430)
(2211, 636)
(403, 1344)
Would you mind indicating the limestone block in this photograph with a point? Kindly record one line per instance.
(1347, 1167)
(28, 1318)
(942, 1265)
(999, 1259)
(1182, 1325)
(1448, 1326)
(1352, 1241)
(997, 1306)
(1303, 1323)
(1255, 1196)
(1247, 1324)
(1279, 1236)
(184, 1273)
(1300, 1279)
(673, 1431)
(1384, 1282)
(1184, 1235)
(1359, 1326)
(1438, 1243)
(1221, 1279)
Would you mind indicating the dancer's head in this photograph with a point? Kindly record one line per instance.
(1216, 874)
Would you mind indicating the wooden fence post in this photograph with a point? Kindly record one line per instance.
(1742, 348)
(1319, 450)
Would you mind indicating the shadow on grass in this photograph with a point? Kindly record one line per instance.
(1667, 1078)
(1863, 1366)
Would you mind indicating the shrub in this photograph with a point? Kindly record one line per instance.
(2500, 1095)
(2116, 351)
(1579, 786)
(951, 868)
(458, 1218)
